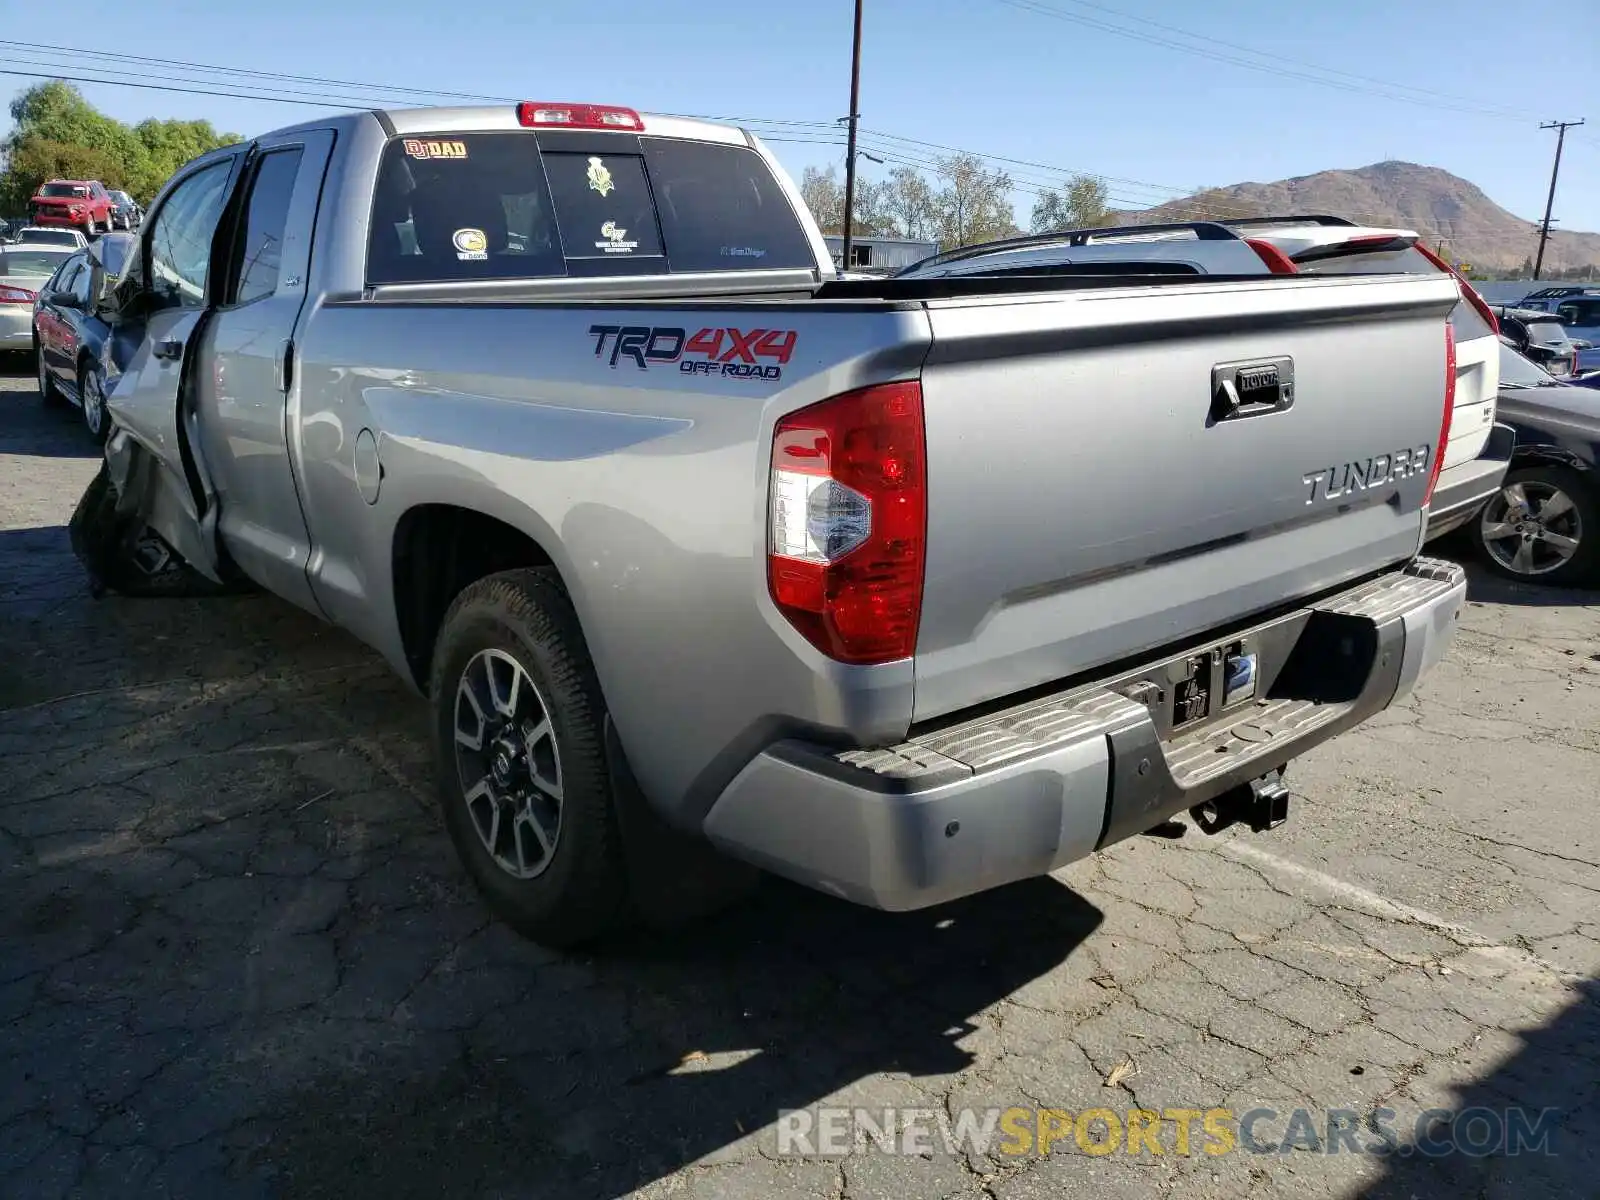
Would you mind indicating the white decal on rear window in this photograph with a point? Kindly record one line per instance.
(616, 240)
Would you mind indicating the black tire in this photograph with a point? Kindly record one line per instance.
(95, 417)
(581, 892)
(49, 394)
(1540, 483)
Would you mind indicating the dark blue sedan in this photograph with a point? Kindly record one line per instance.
(71, 334)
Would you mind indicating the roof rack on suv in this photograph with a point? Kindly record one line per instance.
(1205, 231)
(1551, 293)
(1290, 219)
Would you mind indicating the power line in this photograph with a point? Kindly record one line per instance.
(178, 62)
(264, 91)
(217, 68)
(157, 87)
(1278, 57)
(888, 145)
(1386, 91)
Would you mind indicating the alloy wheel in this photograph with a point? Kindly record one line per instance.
(93, 400)
(508, 763)
(1531, 528)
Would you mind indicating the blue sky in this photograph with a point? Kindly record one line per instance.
(1035, 80)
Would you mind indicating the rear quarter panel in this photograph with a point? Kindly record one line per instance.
(646, 487)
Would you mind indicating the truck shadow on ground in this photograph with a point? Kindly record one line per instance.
(681, 1048)
(237, 955)
(1554, 1077)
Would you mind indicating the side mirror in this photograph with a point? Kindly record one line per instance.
(64, 300)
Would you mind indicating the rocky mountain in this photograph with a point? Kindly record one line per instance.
(1444, 208)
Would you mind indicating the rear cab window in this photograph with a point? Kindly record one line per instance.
(521, 205)
(1546, 333)
(1579, 312)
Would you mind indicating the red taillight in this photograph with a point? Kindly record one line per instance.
(1449, 411)
(1277, 261)
(1468, 292)
(847, 522)
(16, 295)
(578, 116)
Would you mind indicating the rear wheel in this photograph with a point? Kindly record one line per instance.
(1542, 526)
(49, 395)
(92, 399)
(519, 739)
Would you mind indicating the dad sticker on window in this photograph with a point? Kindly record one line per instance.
(471, 245)
(418, 148)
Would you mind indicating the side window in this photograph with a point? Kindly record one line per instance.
(180, 238)
(258, 248)
(63, 275)
(71, 275)
(82, 282)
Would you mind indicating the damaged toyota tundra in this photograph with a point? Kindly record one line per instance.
(707, 560)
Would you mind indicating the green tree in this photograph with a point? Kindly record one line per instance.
(57, 132)
(911, 204)
(823, 195)
(1082, 204)
(37, 159)
(974, 205)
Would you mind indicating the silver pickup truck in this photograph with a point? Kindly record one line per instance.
(902, 589)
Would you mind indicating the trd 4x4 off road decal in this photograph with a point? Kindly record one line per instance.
(734, 353)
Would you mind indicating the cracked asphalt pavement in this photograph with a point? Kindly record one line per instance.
(237, 958)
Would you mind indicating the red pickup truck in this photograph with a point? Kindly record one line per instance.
(77, 203)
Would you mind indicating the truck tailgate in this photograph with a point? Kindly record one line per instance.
(1113, 471)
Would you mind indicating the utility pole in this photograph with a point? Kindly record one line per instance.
(1561, 128)
(850, 150)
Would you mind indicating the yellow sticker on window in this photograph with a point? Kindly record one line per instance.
(425, 148)
(471, 244)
